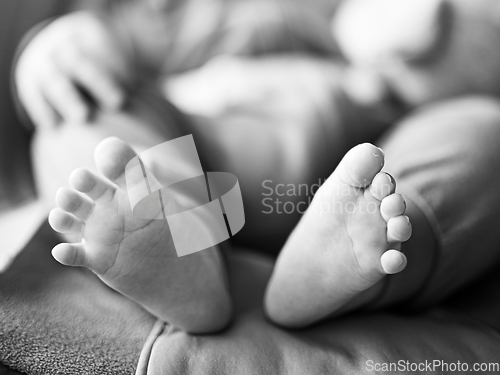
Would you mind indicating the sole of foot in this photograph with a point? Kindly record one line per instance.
(132, 255)
(347, 241)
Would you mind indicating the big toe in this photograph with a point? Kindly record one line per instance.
(360, 165)
(111, 157)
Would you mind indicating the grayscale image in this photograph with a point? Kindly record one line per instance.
(249, 187)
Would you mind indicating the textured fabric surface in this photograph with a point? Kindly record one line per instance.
(60, 320)
(64, 320)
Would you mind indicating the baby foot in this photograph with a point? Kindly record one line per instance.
(132, 255)
(348, 239)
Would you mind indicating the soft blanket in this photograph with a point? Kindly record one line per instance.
(64, 320)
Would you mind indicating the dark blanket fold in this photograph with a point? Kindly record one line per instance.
(60, 320)
(4, 370)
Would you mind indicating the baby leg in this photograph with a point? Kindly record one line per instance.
(56, 152)
(445, 159)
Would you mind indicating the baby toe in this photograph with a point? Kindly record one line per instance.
(70, 254)
(393, 205)
(399, 229)
(91, 185)
(393, 261)
(112, 156)
(64, 222)
(383, 184)
(73, 202)
(360, 165)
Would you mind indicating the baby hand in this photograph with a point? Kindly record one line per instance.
(72, 55)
